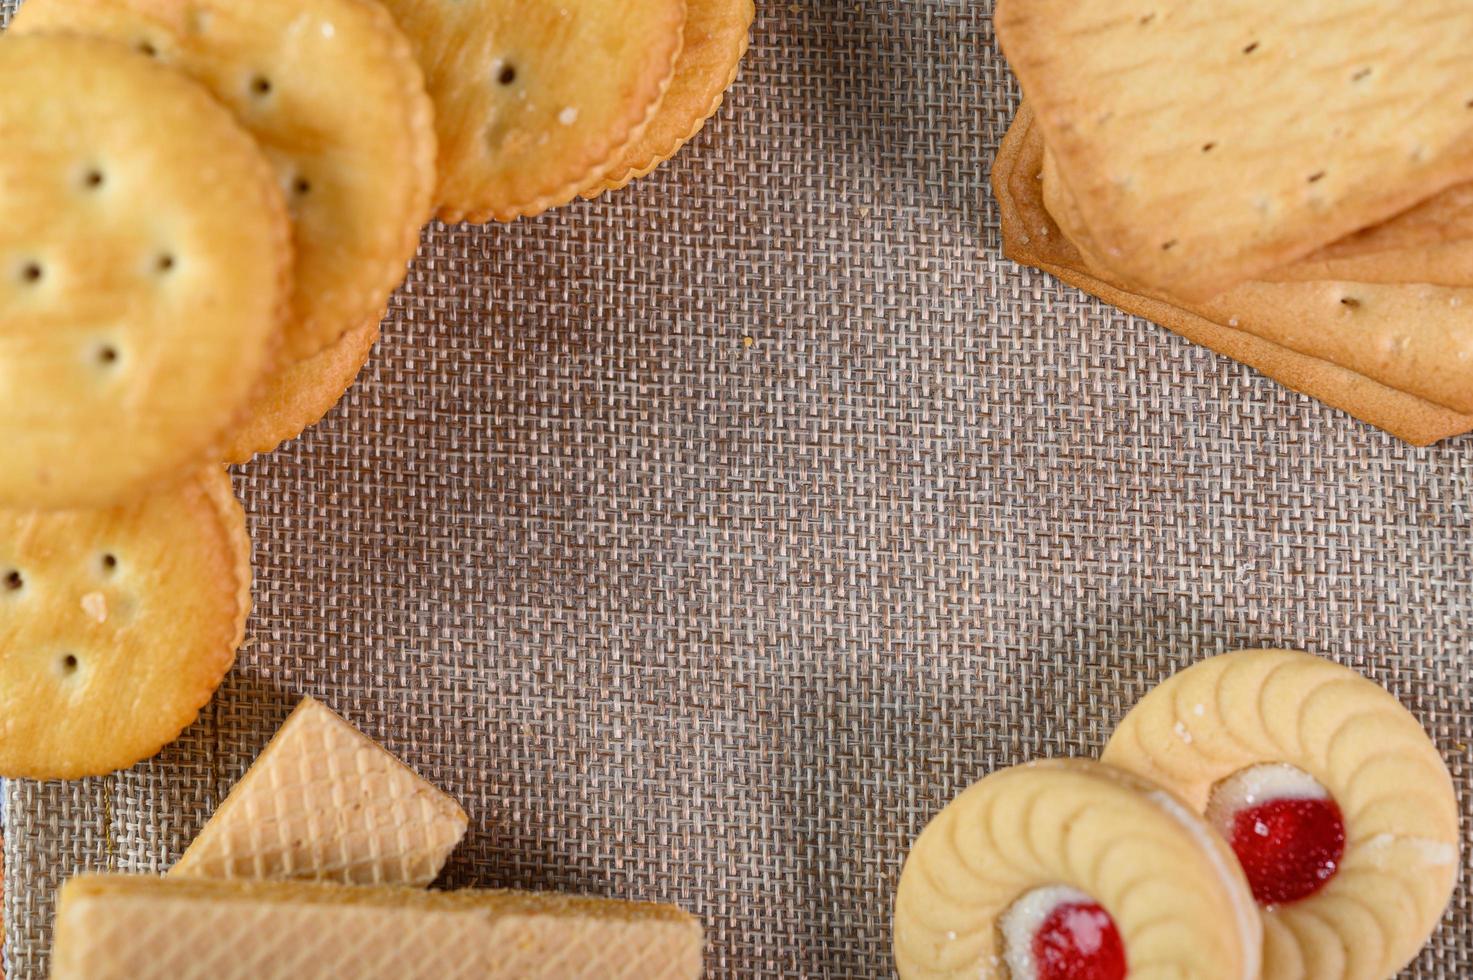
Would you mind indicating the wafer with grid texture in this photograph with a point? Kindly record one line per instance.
(324, 802)
(141, 928)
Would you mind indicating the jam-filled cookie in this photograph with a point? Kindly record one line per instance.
(1072, 869)
(1334, 799)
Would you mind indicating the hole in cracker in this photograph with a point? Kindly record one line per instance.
(302, 186)
(1148, 18)
(1251, 48)
(109, 562)
(1208, 147)
(507, 75)
(69, 664)
(165, 262)
(1168, 246)
(93, 179)
(1316, 177)
(147, 48)
(1468, 104)
(14, 581)
(261, 85)
(1361, 75)
(32, 272)
(107, 355)
(1350, 302)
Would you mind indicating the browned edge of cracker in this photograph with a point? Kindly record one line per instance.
(411, 80)
(650, 89)
(656, 158)
(301, 394)
(215, 482)
(1404, 416)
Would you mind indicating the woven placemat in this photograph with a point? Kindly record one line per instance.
(705, 540)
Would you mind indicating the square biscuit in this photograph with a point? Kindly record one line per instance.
(1208, 141)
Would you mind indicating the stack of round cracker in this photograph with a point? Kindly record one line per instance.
(1301, 207)
(205, 207)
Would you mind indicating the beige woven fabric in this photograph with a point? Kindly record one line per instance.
(706, 539)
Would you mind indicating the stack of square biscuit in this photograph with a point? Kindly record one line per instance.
(205, 207)
(1290, 186)
(312, 867)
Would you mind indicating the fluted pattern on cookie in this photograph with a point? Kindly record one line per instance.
(1394, 792)
(1073, 823)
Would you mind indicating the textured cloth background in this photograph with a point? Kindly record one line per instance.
(705, 540)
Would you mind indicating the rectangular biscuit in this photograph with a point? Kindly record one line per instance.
(1407, 334)
(1032, 238)
(325, 802)
(126, 927)
(1208, 141)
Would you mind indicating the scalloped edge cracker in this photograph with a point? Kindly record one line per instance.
(536, 99)
(717, 36)
(334, 95)
(145, 273)
(302, 393)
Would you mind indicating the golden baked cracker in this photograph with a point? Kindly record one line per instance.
(324, 802)
(301, 393)
(536, 99)
(717, 33)
(116, 626)
(331, 90)
(1207, 141)
(144, 264)
(1411, 336)
(1031, 237)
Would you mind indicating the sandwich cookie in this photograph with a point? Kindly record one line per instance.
(1072, 869)
(1333, 798)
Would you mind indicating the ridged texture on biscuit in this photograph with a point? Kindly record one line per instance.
(138, 928)
(1208, 141)
(326, 803)
(1178, 899)
(1401, 818)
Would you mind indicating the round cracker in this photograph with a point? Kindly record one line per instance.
(117, 626)
(144, 272)
(717, 33)
(302, 394)
(331, 90)
(536, 99)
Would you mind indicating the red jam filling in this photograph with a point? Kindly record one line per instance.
(1078, 941)
(1289, 848)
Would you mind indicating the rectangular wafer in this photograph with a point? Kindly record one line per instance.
(125, 927)
(325, 802)
(1031, 237)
